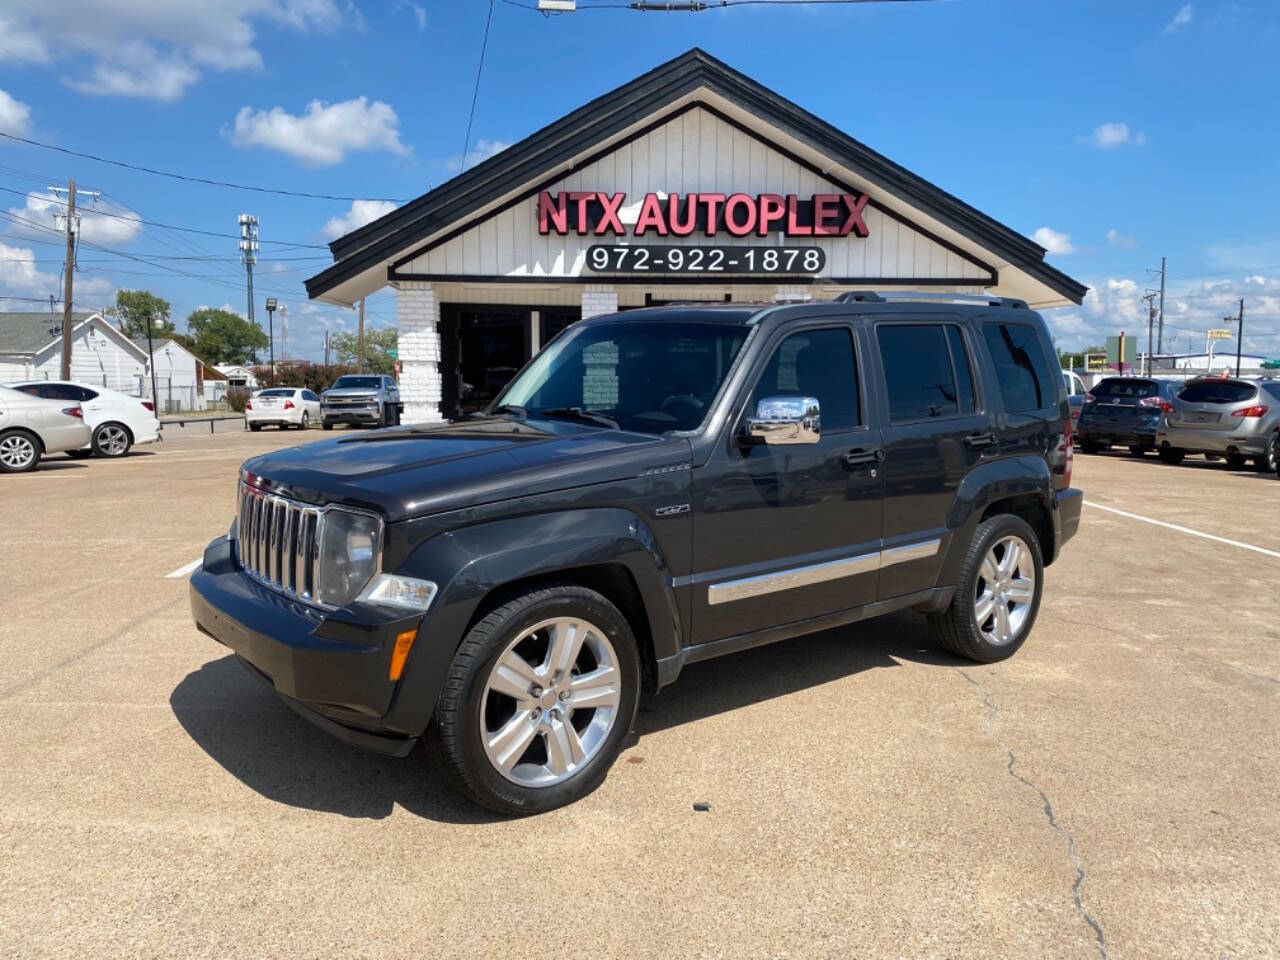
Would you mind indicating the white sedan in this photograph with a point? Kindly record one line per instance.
(283, 406)
(31, 428)
(117, 420)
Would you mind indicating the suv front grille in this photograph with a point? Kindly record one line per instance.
(276, 541)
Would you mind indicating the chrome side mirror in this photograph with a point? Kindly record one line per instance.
(784, 420)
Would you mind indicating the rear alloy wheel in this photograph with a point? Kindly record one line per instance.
(1267, 462)
(538, 700)
(305, 422)
(998, 593)
(1171, 455)
(111, 440)
(19, 452)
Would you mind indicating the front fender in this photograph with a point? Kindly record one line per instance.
(984, 485)
(470, 563)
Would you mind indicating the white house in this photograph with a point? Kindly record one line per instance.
(184, 382)
(238, 376)
(31, 349)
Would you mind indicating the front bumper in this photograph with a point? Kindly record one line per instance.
(369, 414)
(1213, 441)
(329, 666)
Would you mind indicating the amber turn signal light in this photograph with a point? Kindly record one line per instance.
(404, 641)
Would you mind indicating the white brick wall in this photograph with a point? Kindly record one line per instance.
(418, 316)
(598, 299)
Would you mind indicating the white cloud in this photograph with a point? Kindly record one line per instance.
(361, 212)
(152, 48)
(324, 134)
(483, 151)
(95, 225)
(15, 116)
(20, 45)
(19, 276)
(1108, 136)
(1119, 240)
(1180, 19)
(418, 10)
(1054, 242)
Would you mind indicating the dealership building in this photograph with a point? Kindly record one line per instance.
(690, 183)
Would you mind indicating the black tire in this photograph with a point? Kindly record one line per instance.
(395, 415)
(1237, 461)
(1138, 450)
(1171, 455)
(1090, 446)
(305, 422)
(84, 453)
(111, 440)
(384, 416)
(1267, 462)
(458, 721)
(326, 425)
(255, 427)
(957, 628)
(1213, 457)
(20, 451)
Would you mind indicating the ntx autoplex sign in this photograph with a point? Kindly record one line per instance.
(599, 214)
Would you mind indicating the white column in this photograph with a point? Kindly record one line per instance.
(418, 316)
(598, 299)
(535, 332)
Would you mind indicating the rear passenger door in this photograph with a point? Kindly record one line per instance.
(936, 429)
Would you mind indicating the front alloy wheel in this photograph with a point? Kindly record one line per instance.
(18, 453)
(538, 699)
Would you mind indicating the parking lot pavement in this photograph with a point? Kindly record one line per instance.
(1109, 792)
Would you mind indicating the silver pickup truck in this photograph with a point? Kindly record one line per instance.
(361, 398)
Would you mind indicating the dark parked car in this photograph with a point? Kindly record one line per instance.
(1223, 416)
(713, 479)
(1125, 411)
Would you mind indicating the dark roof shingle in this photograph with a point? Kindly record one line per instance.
(31, 332)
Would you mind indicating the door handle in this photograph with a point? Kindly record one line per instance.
(978, 440)
(858, 457)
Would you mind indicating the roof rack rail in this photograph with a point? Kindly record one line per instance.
(871, 296)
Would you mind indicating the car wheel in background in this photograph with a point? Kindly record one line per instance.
(1090, 446)
(82, 454)
(326, 425)
(305, 422)
(384, 416)
(1171, 455)
(19, 451)
(998, 593)
(538, 700)
(1138, 449)
(1268, 461)
(1213, 457)
(111, 440)
(255, 427)
(1237, 461)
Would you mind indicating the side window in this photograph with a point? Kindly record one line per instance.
(31, 389)
(964, 371)
(1022, 370)
(86, 394)
(815, 363)
(918, 371)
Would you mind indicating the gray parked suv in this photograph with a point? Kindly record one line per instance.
(369, 399)
(1224, 416)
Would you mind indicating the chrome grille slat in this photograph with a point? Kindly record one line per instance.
(277, 541)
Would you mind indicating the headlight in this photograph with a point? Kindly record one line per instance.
(350, 552)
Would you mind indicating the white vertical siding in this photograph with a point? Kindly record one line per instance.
(696, 151)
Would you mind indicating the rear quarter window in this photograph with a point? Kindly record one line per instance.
(1027, 382)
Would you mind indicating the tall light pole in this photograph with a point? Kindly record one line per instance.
(271, 326)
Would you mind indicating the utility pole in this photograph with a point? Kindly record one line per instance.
(271, 325)
(248, 251)
(360, 340)
(1239, 336)
(1151, 319)
(1160, 335)
(151, 362)
(68, 269)
(326, 351)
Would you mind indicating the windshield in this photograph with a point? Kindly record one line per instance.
(646, 377)
(358, 383)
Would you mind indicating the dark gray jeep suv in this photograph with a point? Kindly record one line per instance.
(654, 488)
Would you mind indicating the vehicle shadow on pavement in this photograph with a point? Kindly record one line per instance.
(273, 751)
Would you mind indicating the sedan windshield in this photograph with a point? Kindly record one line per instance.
(645, 377)
(357, 383)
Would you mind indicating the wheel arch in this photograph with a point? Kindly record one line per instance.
(1022, 486)
(28, 432)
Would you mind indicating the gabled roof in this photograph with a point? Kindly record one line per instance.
(27, 333)
(551, 148)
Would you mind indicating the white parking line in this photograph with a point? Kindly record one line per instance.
(1195, 533)
(184, 570)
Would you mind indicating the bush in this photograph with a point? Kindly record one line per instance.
(236, 399)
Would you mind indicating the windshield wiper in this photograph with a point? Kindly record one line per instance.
(582, 416)
(512, 408)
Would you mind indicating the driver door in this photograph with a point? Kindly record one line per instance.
(787, 533)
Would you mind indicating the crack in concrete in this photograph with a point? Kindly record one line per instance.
(992, 712)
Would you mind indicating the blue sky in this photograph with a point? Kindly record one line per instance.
(1113, 132)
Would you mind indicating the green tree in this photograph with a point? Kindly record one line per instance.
(224, 337)
(379, 349)
(132, 310)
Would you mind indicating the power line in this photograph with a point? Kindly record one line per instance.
(190, 179)
(695, 6)
(475, 94)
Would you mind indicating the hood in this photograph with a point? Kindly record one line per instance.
(416, 471)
